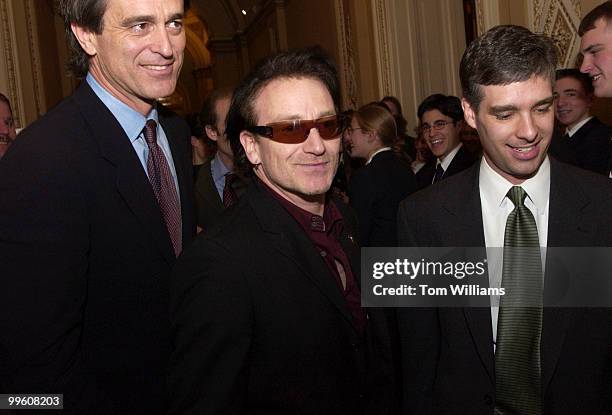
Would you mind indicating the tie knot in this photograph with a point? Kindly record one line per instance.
(517, 195)
(150, 132)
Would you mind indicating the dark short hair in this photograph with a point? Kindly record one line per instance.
(603, 11)
(584, 79)
(88, 14)
(447, 104)
(310, 63)
(4, 99)
(503, 55)
(208, 114)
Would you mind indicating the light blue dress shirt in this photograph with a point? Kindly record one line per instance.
(218, 171)
(133, 124)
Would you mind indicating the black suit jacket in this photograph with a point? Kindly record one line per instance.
(448, 358)
(462, 160)
(588, 148)
(209, 206)
(85, 262)
(375, 192)
(261, 327)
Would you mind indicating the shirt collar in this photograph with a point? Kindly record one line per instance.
(217, 168)
(331, 221)
(130, 120)
(493, 187)
(380, 150)
(572, 131)
(449, 157)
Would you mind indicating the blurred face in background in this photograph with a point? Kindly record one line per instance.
(7, 128)
(573, 103)
(359, 141)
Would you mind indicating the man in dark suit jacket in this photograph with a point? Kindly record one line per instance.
(451, 356)
(212, 183)
(86, 244)
(441, 119)
(266, 307)
(586, 141)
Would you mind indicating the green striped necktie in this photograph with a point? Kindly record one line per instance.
(519, 326)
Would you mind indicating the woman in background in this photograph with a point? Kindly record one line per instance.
(376, 189)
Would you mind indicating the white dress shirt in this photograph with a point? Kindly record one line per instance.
(495, 210)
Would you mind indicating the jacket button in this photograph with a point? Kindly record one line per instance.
(355, 347)
(488, 400)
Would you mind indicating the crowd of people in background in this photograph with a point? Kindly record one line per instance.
(151, 264)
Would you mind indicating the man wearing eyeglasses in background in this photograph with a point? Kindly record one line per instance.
(441, 119)
(266, 307)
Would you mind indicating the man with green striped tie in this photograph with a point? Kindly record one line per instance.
(518, 356)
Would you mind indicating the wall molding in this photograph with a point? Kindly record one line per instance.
(386, 84)
(9, 57)
(560, 20)
(346, 64)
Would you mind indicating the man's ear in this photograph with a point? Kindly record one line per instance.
(211, 132)
(468, 113)
(251, 147)
(86, 38)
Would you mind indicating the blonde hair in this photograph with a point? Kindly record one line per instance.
(375, 118)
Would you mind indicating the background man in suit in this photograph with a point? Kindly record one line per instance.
(7, 125)
(441, 119)
(217, 186)
(266, 307)
(585, 142)
(96, 205)
(540, 360)
(596, 47)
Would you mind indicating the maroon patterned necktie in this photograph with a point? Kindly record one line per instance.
(229, 194)
(163, 186)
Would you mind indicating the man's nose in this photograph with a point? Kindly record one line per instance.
(586, 65)
(4, 127)
(314, 143)
(161, 42)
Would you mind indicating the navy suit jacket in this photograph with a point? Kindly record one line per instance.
(375, 191)
(588, 148)
(462, 160)
(85, 259)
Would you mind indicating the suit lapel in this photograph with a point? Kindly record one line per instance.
(465, 228)
(567, 226)
(288, 239)
(131, 180)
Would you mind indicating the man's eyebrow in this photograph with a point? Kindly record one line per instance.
(591, 47)
(502, 108)
(570, 90)
(545, 101)
(129, 21)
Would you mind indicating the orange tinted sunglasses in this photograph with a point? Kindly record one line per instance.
(297, 131)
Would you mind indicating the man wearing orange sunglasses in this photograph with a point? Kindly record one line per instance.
(266, 307)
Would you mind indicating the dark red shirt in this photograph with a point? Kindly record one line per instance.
(324, 232)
